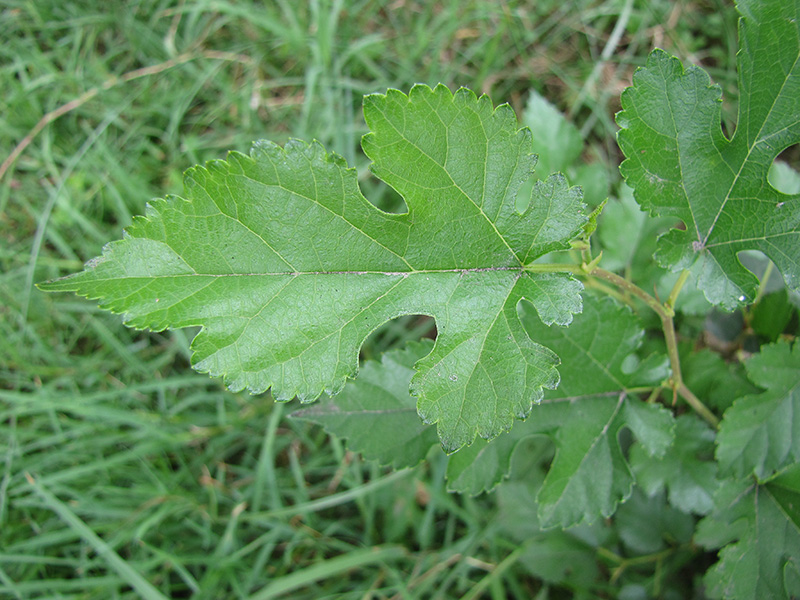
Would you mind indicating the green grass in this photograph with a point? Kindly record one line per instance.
(122, 473)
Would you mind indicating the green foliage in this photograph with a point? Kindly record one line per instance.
(764, 520)
(680, 164)
(643, 449)
(760, 434)
(589, 474)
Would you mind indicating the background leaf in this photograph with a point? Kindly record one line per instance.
(556, 141)
(567, 558)
(649, 524)
(685, 472)
(710, 377)
(761, 433)
(590, 474)
(559, 145)
(376, 414)
(765, 519)
(598, 351)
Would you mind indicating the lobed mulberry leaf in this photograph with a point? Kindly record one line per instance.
(680, 163)
(288, 268)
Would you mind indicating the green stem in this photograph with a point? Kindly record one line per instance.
(697, 405)
(671, 339)
(676, 289)
(629, 287)
(665, 313)
(609, 291)
(762, 286)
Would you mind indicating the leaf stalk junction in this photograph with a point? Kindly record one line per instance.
(665, 311)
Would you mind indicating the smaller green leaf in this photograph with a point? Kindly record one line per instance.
(627, 235)
(482, 466)
(561, 559)
(765, 521)
(596, 350)
(686, 471)
(713, 379)
(557, 142)
(652, 424)
(593, 179)
(761, 433)
(376, 414)
(589, 474)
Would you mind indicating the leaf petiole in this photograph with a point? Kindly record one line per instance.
(676, 289)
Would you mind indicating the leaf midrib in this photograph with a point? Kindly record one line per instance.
(301, 273)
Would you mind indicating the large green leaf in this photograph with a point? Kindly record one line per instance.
(288, 268)
(761, 433)
(680, 163)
